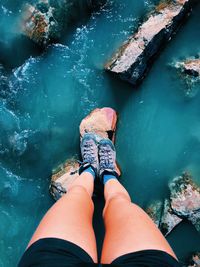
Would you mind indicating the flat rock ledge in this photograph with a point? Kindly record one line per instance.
(102, 122)
(45, 21)
(184, 203)
(132, 61)
(189, 67)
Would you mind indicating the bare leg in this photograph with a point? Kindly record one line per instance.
(70, 218)
(128, 227)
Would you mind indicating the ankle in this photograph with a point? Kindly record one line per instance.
(90, 170)
(107, 177)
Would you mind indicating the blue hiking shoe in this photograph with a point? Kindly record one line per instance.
(89, 152)
(107, 159)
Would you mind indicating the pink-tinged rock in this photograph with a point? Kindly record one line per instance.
(101, 122)
(185, 198)
(63, 176)
(185, 195)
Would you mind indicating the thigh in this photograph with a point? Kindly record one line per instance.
(129, 229)
(70, 219)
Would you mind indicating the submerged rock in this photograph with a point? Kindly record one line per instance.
(195, 261)
(169, 219)
(189, 67)
(185, 199)
(47, 19)
(133, 59)
(101, 122)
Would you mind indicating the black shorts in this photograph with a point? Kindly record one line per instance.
(53, 252)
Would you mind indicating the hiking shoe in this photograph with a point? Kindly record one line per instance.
(107, 158)
(89, 152)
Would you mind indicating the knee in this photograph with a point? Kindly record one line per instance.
(80, 192)
(118, 196)
(118, 199)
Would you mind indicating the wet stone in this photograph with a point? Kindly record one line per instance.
(133, 59)
(46, 21)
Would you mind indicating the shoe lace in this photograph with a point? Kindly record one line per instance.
(106, 158)
(88, 152)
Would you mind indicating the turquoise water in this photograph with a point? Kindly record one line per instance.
(46, 95)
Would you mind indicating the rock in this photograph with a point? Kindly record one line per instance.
(185, 195)
(169, 220)
(102, 122)
(37, 24)
(190, 67)
(195, 261)
(155, 210)
(185, 198)
(134, 58)
(163, 216)
(62, 177)
(46, 21)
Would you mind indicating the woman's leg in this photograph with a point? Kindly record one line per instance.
(128, 227)
(70, 218)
